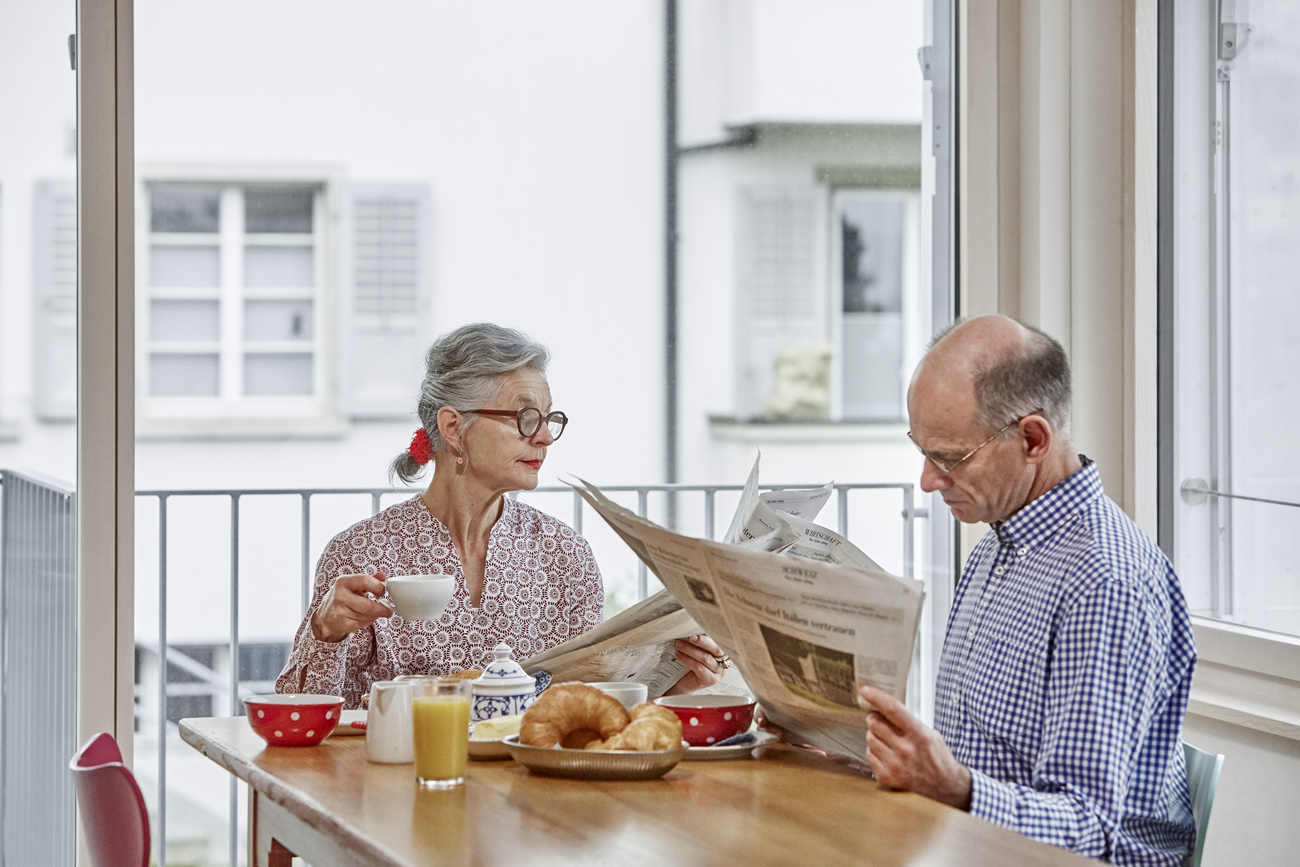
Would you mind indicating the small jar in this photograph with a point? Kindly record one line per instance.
(503, 689)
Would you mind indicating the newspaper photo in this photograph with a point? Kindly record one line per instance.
(805, 615)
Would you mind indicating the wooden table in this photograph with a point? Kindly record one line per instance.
(330, 806)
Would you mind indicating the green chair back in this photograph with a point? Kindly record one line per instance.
(1202, 779)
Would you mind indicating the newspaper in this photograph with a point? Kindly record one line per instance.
(805, 627)
(636, 645)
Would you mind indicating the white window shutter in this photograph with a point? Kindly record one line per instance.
(781, 294)
(55, 272)
(385, 304)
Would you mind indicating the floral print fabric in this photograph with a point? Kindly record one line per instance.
(541, 587)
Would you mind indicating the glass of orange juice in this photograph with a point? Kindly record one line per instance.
(440, 719)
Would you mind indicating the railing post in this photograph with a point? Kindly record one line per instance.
(909, 531)
(306, 551)
(162, 677)
(577, 513)
(842, 506)
(234, 667)
(708, 512)
(642, 573)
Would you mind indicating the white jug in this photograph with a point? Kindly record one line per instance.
(389, 738)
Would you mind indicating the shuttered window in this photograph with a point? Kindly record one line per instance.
(55, 259)
(385, 316)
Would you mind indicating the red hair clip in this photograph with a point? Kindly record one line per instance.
(420, 449)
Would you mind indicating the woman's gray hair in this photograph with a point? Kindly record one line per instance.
(463, 370)
(1037, 379)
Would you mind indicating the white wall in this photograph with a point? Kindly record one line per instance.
(1254, 816)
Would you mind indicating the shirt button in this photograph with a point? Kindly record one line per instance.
(970, 633)
(956, 701)
(1022, 552)
(1000, 570)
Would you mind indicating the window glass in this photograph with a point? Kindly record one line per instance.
(184, 208)
(1238, 399)
(230, 266)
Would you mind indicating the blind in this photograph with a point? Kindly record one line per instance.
(55, 272)
(386, 300)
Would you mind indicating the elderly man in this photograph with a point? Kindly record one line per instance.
(1069, 653)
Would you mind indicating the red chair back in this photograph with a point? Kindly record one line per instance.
(112, 808)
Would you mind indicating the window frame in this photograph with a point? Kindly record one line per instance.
(1245, 676)
(232, 413)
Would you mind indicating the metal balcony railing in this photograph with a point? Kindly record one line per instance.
(176, 671)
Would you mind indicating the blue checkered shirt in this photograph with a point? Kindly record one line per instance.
(1064, 680)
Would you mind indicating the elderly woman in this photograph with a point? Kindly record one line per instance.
(522, 577)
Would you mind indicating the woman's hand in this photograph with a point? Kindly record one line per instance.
(346, 608)
(705, 660)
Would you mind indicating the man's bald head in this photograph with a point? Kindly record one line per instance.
(1006, 370)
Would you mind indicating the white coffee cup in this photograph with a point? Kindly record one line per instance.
(420, 597)
(629, 694)
(389, 738)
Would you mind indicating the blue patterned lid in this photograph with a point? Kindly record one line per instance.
(504, 675)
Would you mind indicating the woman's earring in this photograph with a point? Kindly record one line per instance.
(460, 459)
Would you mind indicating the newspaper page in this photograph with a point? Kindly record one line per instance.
(805, 633)
(635, 645)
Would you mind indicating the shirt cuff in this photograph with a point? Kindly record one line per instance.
(992, 801)
(314, 648)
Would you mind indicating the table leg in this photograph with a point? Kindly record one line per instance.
(266, 851)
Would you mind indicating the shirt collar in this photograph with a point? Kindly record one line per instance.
(1036, 522)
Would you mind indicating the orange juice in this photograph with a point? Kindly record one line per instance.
(441, 724)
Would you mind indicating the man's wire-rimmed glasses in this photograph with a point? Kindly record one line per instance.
(947, 467)
(529, 419)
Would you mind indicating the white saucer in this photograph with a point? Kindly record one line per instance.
(738, 751)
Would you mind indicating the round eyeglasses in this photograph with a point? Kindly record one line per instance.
(947, 467)
(529, 419)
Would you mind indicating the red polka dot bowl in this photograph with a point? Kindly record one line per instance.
(293, 720)
(707, 719)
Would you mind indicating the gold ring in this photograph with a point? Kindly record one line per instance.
(723, 662)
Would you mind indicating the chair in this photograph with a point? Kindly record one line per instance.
(1202, 779)
(112, 808)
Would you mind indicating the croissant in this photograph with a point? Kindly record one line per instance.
(571, 714)
(652, 728)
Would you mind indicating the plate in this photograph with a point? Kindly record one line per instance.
(738, 751)
(488, 750)
(346, 718)
(594, 764)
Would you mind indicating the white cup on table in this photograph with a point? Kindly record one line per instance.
(629, 694)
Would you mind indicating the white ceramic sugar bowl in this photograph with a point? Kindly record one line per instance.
(503, 689)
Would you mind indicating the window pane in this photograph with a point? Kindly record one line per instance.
(188, 267)
(278, 267)
(184, 320)
(277, 210)
(183, 375)
(873, 362)
(277, 374)
(871, 248)
(277, 320)
(1262, 94)
(184, 208)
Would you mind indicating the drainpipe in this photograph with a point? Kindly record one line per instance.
(670, 251)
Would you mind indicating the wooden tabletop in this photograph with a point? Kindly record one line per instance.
(784, 810)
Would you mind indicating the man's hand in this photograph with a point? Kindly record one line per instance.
(346, 608)
(702, 656)
(905, 753)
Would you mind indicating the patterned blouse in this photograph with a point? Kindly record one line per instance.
(541, 587)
